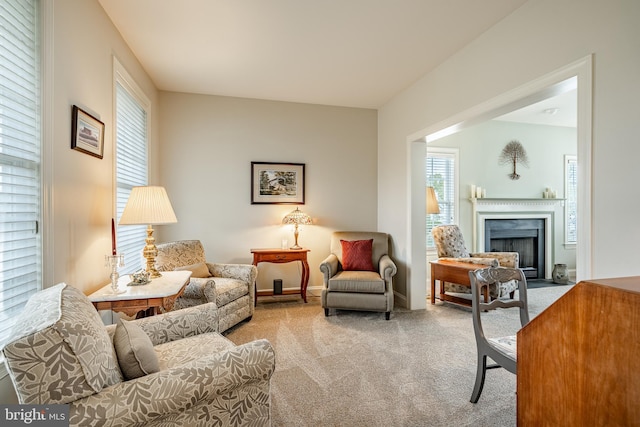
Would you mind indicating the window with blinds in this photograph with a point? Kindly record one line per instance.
(442, 176)
(20, 245)
(131, 169)
(571, 202)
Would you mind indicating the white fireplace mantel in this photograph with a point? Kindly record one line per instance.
(503, 208)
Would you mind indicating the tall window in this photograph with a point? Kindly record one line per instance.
(132, 116)
(20, 243)
(442, 175)
(571, 204)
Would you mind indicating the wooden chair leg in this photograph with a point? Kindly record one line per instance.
(480, 374)
(326, 312)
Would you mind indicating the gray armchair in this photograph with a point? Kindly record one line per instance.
(358, 289)
(450, 244)
(170, 369)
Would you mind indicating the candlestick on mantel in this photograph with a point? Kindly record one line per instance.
(113, 237)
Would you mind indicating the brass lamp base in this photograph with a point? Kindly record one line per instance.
(296, 246)
(150, 251)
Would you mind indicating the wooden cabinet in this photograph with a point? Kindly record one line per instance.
(579, 360)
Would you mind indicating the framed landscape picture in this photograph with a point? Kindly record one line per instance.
(87, 133)
(277, 183)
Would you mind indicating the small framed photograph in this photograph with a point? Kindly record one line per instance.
(277, 183)
(87, 133)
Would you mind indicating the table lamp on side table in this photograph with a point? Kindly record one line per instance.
(149, 205)
(297, 217)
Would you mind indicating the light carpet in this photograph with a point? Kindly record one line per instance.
(357, 369)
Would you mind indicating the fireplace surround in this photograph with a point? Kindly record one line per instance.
(542, 211)
(523, 235)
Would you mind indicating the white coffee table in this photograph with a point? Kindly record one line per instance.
(142, 300)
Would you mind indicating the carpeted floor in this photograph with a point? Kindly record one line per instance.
(357, 369)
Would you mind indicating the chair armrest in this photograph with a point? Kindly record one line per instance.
(329, 267)
(505, 259)
(179, 324)
(387, 267)
(145, 399)
(245, 272)
(493, 262)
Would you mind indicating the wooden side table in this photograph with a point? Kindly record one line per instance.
(280, 256)
(453, 272)
(150, 299)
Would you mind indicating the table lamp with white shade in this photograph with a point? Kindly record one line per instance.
(149, 205)
(432, 201)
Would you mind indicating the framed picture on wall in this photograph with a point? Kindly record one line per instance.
(277, 183)
(87, 133)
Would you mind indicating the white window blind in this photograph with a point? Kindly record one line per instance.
(441, 175)
(571, 203)
(20, 245)
(131, 171)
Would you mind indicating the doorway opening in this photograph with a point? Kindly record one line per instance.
(580, 75)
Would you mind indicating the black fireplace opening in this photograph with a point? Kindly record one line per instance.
(522, 235)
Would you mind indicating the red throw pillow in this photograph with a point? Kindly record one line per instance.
(356, 255)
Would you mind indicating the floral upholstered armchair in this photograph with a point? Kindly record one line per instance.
(230, 286)
(450, 245)
(171, 369)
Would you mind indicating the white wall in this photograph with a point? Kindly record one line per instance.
(81, 46)
(538, 38)
(85, 42)
(208, 144)
(481, 145)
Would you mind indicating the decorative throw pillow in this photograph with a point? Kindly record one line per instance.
(199, 270)
(356, 255)
(134, 349)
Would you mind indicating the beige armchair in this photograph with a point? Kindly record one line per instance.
(230, 286)
(183, 372)
(450, 244)
(366, 289)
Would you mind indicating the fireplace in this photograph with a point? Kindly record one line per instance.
(523, 235)
(543, 210)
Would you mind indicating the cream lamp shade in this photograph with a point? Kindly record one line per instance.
(297, 217)
(148, 205)
(432, 201)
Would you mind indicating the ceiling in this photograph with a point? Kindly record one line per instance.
(353, 53)
(559, 110)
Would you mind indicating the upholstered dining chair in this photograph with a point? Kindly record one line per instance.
(358, 274)
(502, 350)
(450, 245)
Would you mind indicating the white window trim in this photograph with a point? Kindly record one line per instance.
(122, 77)
(567, 158)
(432, 252)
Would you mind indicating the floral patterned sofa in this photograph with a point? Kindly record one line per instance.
(230, 286)
(60, 352)
(450, 244)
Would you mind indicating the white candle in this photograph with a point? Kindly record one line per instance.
(478, 192)
(473, 191)
(484, 193)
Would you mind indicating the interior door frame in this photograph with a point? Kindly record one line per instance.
(534, 91)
